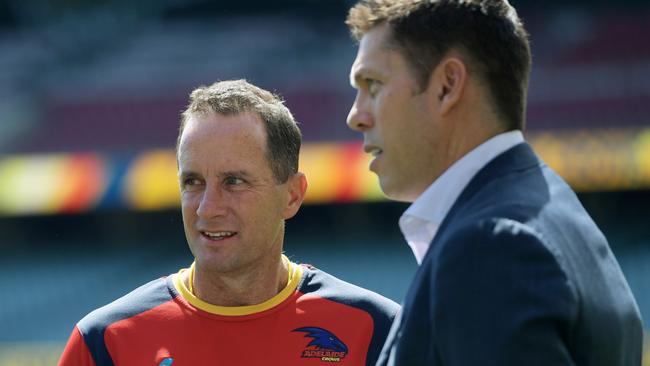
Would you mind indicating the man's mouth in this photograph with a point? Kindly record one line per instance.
(218, 235)
(373, 150)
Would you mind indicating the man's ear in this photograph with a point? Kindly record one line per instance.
(448, 82)
(296, 187)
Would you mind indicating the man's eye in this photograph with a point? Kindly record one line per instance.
(233, 181)
(191, 183)
(373, 86)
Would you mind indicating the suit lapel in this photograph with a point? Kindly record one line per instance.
(517, 158)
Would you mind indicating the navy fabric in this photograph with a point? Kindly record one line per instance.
(381, 309)
(93, 325)
(518, 274)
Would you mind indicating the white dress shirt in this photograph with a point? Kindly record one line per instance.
(420, 222)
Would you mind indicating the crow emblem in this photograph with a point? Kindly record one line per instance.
(324, 345)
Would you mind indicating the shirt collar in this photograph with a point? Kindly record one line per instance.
(420, 222)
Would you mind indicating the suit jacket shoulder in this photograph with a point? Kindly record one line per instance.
(518, 268)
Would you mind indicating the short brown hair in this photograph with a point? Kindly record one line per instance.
(489, 32)
(234, 97)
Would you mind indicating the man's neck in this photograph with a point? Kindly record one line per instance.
(244, 288)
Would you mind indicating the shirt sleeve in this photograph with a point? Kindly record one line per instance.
(76, 352)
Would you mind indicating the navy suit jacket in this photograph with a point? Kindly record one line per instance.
(518, 274)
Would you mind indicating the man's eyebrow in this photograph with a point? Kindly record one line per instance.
(235, 173)
(187, 173)
(356, 77)
(362, 73)
(220, 175)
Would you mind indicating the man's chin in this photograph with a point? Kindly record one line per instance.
(393, 191)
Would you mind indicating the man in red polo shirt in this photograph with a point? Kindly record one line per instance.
(241, 302)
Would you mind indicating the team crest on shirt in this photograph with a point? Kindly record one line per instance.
(324, 345)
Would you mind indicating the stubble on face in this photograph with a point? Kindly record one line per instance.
(397, 120)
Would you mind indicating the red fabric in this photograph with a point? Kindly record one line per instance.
(76, 353)
(191, 336)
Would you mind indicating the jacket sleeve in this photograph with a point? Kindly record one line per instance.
(76, 352)
(501, 298)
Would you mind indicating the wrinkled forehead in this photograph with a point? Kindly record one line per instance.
(378, 58)
(220, 131)
(220, 123)
(375, 46)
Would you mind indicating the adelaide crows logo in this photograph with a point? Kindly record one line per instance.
(324, 345)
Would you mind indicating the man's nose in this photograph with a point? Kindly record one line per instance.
(212, 203)
(359, 118)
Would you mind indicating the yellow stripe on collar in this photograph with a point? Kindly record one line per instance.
(295, 274)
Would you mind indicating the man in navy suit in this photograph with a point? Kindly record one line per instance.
(513, 271)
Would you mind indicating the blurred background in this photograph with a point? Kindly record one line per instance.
(90, 96)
